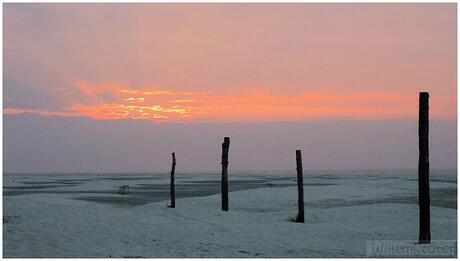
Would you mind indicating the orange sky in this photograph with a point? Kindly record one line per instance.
(163, 105)
(230, 62)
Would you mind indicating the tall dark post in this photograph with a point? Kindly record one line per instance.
(172, 189)
(424, 170)
(225, 147)
(300, 215)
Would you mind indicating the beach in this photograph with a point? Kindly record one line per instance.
(347, 214)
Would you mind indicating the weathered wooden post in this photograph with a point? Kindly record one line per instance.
(424, 170)
(172, 189)
(300, 215)
(225, 147)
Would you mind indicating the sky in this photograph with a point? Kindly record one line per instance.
(146, 79)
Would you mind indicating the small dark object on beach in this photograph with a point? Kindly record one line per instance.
(9, 219)
(123, 190)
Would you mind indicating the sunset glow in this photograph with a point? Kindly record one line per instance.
(110, 102)
(218, 63)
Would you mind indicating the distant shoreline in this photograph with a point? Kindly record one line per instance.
(241, 172)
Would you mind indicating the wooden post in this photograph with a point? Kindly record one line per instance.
(424, 170)
(300, 215)
(225, 147)
(172, 189)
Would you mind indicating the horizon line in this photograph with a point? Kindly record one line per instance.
(218, 171)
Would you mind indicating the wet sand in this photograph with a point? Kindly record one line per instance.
(148, 188)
